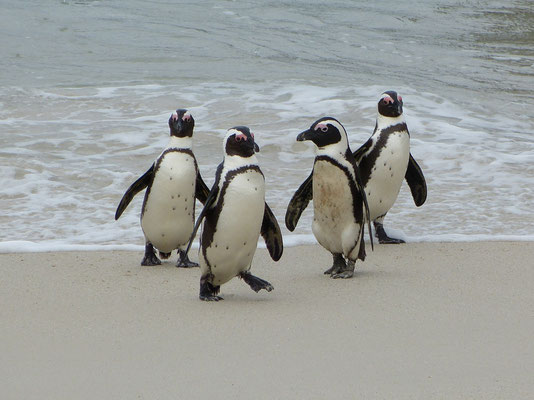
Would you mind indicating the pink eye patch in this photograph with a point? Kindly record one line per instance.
(322, 127)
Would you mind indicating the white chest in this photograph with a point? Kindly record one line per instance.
(169, 209)
(388, 173)
(238, 227)
(333, 207)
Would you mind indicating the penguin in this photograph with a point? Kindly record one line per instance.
(385, 161)
(339, 203)
(234, 215)
(172, 183)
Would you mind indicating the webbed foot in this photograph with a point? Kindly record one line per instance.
(338, 265)
(382, 236)
(150, 257)
(208, 292)
(185, 262)
(348, 272)
(255, 283)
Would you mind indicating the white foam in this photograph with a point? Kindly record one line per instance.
(66, 167)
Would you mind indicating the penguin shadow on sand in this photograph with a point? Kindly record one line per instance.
(349, 188)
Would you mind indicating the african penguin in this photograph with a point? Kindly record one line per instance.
(235, 213)
(172, 183)
(339, 204)
(385, 161)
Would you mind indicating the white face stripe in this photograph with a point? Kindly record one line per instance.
(331, 122)
(229, 133)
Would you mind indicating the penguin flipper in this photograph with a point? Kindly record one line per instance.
(416, 181)
(361, 190)
(136, 187)
(208, 204)
(299, 202)
(201, 189)
(358, 154)
(210, 200)
(270, 230)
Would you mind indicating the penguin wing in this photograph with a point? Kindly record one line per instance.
(201, 189)
(299, 202)
(416, 181)
(358, 154)
(135, 188)
(361, 190)
(270, 230)
(208, 204)
(210, 200)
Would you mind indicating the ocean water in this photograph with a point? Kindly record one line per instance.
(87, 87)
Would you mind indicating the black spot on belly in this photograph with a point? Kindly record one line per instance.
(172, 197)
(174, 208)
(227, 248)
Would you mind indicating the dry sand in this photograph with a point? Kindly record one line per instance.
(418, 321)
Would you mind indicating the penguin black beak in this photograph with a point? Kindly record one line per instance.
(256, 147)
(306, 135)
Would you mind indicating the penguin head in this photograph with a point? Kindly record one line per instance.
(390, 104)
(324, 132)
(239, 141)
(181, 123)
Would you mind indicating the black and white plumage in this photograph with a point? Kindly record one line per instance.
(234, 215)
(172, 183)
(385, 161)
(339, 203)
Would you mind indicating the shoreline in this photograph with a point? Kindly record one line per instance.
(417, 321)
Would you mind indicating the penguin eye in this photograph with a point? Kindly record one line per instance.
(399, 97)
(252, 134)
(322, 127)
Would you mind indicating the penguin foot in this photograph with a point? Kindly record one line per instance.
(382, 236)
(348, 272)
(208, 292)
(389, 240)
(338, 266)
(255, 283)
(210, 298)
(184, 261)
(150, 257)
(343, 275)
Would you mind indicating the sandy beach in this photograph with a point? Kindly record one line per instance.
(418, 321)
